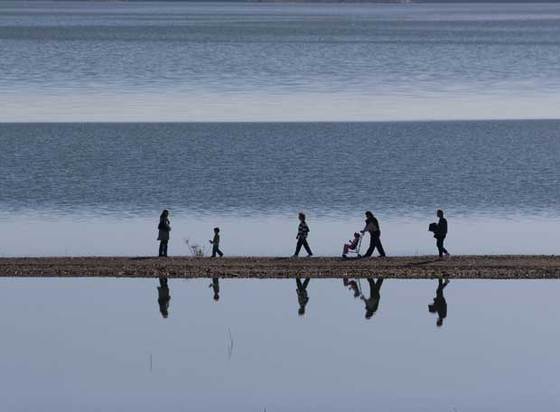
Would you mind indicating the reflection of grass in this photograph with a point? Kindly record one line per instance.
(195, 249)
(230, 344)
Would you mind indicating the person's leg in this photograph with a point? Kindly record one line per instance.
(378, 284)
(441, 285)
(439, 244)
(298, 247)
(379, 246)
(345, 249)
(214, 250)
(160, 253)
(307, 248)
(165, 248)
(443, 249)
(306, 282)
(220, 252)
(371, 247)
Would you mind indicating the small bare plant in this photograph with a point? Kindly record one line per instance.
(195, 249)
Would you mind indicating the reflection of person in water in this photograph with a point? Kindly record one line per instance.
(440, 304)
(216, 286)
(163, 297)
(373, 302)
(302, 296)
(352, 285)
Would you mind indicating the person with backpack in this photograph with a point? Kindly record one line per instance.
(440, 304)
(440, 232)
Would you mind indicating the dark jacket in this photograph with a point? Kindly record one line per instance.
(441, 229)
(441, 305)
(372, 226)
(164, 228)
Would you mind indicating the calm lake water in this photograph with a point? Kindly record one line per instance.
(102, 344)
(240, 116)
(98, 189)
(105, 61)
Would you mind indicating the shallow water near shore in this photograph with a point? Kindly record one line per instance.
(102, 344)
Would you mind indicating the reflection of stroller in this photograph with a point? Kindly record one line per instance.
(354, 246)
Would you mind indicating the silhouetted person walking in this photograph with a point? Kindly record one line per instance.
(216, 286)
(163, 297)
(372, 226)
(372, 303)
(440, 304)
(164, 228)
(302, 296)
(303, 231)
(216, 243)
(440, 233)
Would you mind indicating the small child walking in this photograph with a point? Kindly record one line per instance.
(303, 231)
(216, 243)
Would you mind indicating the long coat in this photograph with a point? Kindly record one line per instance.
(164, 228)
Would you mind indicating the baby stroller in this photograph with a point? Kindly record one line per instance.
(355, 251)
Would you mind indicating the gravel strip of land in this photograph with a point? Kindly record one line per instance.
(418, 267)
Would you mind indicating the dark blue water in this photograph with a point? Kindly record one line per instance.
(491, 167)
(97, 189)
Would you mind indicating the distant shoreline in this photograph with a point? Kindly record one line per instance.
(419, 267)
(301, 1)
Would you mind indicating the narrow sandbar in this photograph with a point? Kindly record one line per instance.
(418, 267)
